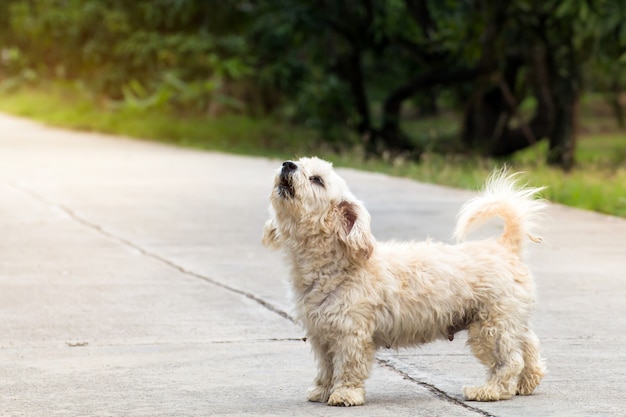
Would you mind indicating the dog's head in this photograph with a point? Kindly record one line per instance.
(310, 200)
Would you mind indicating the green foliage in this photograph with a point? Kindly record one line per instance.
(356, 71)
(162, 52)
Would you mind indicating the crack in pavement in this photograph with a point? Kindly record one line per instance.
(385, 363)
(272, 339)
(128, 243)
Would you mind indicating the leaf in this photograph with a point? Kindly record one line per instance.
(136, 87)
(566, 7)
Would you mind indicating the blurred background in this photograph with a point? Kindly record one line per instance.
(438, 90)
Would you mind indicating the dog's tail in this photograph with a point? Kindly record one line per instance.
(503, 197)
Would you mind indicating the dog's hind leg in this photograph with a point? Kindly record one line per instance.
(352, 362)
(320, 391)
(534, 365)
(500, 351)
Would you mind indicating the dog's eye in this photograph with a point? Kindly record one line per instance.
(315, 179)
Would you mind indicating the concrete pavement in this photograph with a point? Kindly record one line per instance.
(133, 283)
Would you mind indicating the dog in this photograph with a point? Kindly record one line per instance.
(354, 295)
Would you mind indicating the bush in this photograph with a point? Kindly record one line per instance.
(162, 52)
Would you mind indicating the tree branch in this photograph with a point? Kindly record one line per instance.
(429, 79)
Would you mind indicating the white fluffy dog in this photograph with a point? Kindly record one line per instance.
(354, 295)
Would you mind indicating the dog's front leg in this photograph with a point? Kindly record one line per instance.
(351, 366)
(320, 391)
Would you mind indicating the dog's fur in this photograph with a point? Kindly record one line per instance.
(354, 295)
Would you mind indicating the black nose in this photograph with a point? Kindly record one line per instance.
(289, 166)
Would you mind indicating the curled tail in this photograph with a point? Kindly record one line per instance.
(503, 197)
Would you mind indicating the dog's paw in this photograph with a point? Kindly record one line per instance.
(318, 394)
(346, 397)
(485, 393)
(528, 382)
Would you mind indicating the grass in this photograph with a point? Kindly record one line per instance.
(68, 107)
(598, 183)
(592, 188)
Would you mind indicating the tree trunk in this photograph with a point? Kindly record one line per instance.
(542, 123)
(485, 124)
(391, 135)
(563, 137)
(616, 105)
(354, 76)
(487, 116)
(349, 68)
(483, 115)
(565, 87)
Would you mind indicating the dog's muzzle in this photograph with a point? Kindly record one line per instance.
(285, 184)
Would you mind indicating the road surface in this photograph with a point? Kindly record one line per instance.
(133, 283)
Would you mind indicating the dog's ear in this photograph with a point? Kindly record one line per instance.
(271, 236)
(354, 229)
